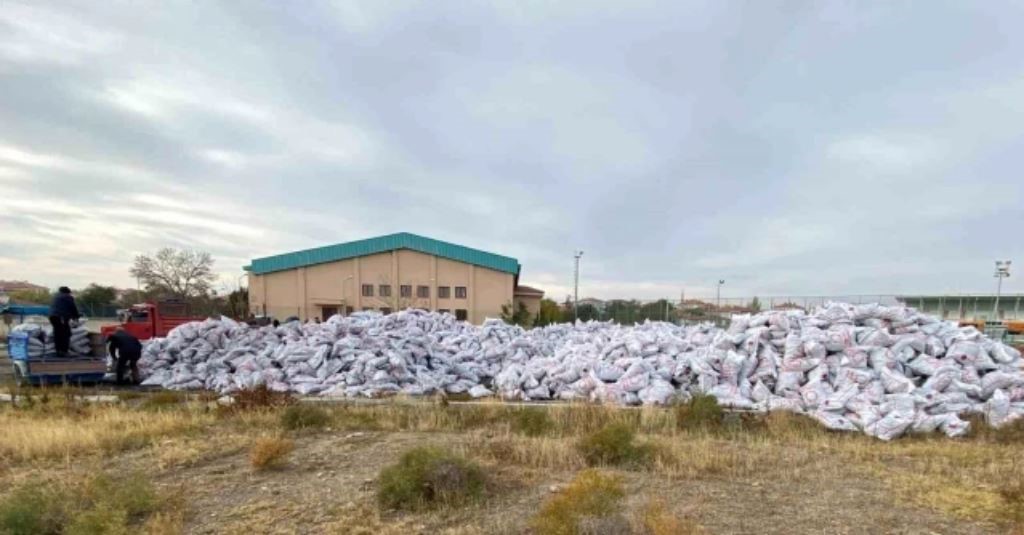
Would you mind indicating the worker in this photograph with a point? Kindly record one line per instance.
(62, 311)
(126, 350)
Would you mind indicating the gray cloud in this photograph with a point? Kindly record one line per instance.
(789, 147)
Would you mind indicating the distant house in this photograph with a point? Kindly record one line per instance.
(17, 286)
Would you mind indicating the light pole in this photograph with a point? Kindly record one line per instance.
(718, 295)
(344, 300)
(576, 288)
(1002, 272)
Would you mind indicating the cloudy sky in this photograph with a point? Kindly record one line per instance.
(789, 147)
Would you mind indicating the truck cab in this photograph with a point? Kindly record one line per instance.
(152, 319)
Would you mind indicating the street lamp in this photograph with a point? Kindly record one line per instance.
(344, 300)
(718, 295)
(576, 288)
(1002, 272)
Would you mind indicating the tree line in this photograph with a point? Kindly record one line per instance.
(169, 274)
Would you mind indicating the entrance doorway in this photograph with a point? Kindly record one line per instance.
(327, 311)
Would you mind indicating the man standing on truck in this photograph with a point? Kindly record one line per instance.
(62, 311)
(126, 350)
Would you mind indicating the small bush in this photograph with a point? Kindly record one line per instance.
(1013, 496)
(32, 509)
(101, 504)
(163, 399)
(260, 397)
(100, 520)
(592, 495)
(270, 452)
(304, 416)
(532, 422)
(655, 519)
(700, 413)
(614, 445)
(429, 477)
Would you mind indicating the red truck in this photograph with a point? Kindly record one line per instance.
(149, 320)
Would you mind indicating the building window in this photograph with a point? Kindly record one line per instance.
(444, 311)
(423, 292)
(460, 292)
(367, 290)
(405, 290)
(444, 292)
(385, 310)
(384, 290)
(460, 314)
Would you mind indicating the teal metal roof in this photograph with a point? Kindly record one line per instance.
(382, 244)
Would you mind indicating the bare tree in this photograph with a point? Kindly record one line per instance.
(176, 273)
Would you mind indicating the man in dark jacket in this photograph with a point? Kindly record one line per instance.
(125, 349)
(62, 311)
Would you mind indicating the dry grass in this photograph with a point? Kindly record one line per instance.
(270, 452)
(655, 518)
(976, 478)
(593, 498)
(35, 434)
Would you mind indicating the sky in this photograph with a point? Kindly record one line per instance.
(786, 147)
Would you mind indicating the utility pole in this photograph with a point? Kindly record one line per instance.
(576, 288)
(1002, 272)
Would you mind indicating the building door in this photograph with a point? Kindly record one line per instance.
(328, 311)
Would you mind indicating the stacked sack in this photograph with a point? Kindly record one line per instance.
(40, 339)
(882, 370)
(366, 354)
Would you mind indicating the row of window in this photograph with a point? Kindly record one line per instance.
(460, 313)
(422, 292)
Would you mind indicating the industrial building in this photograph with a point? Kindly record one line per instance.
(968, 306)
(386, 274)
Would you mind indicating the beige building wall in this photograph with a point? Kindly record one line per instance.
(314, 291)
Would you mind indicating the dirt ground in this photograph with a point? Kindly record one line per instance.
(328, 487)
(329, 481)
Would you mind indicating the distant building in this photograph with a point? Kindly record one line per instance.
(17, 286)
(967, 307)
(388, 273)
(529, 297)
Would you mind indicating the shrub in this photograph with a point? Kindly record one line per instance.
(1013, 496)
(31, 509)
(260, 397)
(701, 413)
(163, 399)
(304, 416)
(101, 504)
(655, 519)
(270, 452)
(592, 495)
(532, 422)
(101, 520)
(427, 477)
(614, 445)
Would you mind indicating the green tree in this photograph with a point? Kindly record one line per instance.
(94, 295)
(586, 312)
(31, 297)
(238, 303)
(520, 316)
(755, 305)
(549, 313)
(660, 310)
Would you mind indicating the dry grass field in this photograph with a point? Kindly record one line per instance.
(167, 463)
